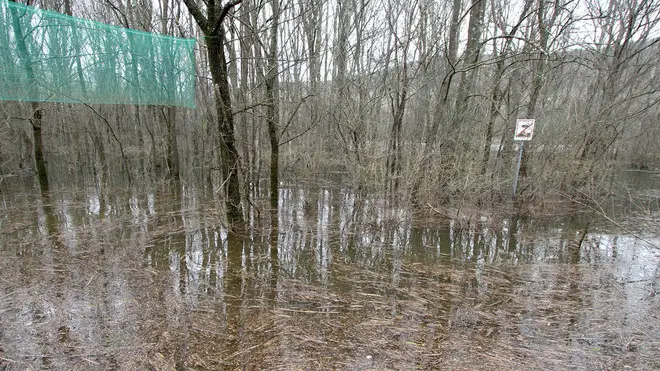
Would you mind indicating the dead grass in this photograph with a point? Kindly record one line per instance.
(154, 292)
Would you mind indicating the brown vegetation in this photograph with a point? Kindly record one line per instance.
(380, 91)
(152, 280)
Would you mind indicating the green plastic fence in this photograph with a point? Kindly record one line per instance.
(50, 57)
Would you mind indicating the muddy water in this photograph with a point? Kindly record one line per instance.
(150, 279)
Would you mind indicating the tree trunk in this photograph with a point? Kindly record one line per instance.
(172, 147)
(228, 154)
(36, 115)
(211, 25)
(313, 30)
(472, 51)
(39, 146)
(539, 71)
(340, 56)
(394, 158)
(496, 94)
(272, 109)
(442, 99)
(244, 129)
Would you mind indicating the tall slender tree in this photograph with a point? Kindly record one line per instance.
(442, 102)
(211, 25)
(272, 106)
(172, 147)
(37, 113)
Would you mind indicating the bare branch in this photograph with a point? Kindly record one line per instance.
(201, 20)
(225, 10)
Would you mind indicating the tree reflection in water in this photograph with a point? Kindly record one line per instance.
(334, 279)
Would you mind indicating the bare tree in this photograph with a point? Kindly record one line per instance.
(623, 58)
(497, 94)
(468, 67)
(556, 16)
(442, 101)
(272, 106)
(172, 146)
(213, 29)
(401, 40)
(377, 89)
(37, 113)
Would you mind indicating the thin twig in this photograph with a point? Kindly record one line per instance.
(121, 147)
(603, 214)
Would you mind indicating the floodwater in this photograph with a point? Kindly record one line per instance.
(149, 279)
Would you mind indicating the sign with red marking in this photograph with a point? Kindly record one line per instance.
(524, 129)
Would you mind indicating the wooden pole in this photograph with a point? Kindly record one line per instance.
(515, 179)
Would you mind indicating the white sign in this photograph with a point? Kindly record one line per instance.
(524, 129)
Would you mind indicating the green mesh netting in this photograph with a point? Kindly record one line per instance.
(50, 57)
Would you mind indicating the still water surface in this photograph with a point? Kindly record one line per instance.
(150, 279)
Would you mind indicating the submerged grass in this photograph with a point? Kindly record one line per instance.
(432, 324)
(160, 285)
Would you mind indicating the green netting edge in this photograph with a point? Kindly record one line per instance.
(99, 25)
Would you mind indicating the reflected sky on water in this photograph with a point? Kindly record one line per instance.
(150, 279)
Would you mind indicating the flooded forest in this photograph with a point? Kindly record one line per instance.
(341, 190)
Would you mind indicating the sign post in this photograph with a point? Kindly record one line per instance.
(524, 132)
